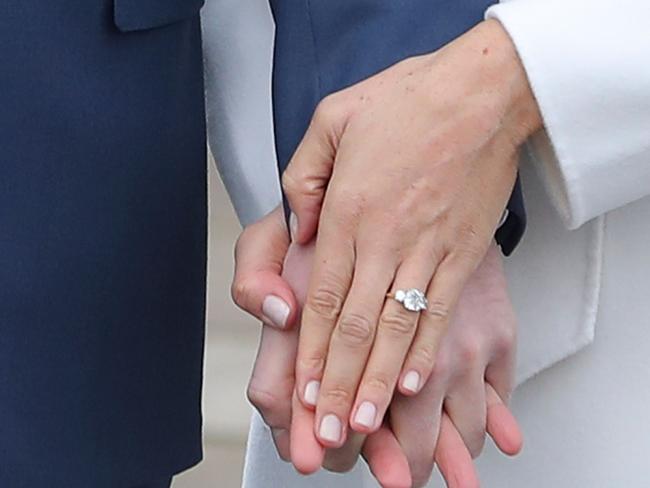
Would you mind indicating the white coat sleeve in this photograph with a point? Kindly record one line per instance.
(588, 63)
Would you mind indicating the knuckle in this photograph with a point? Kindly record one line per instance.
(468, 232)
(337, 396)
(355, 329)
(424, 355)
(379, 382)
(264, 401)
(506, 341)
(469, 351)
(240, 291)
(470, 251)
(326, 301)
(439, 310)
(311, 364)
(290, 183)
(327, 111)
(401, 323)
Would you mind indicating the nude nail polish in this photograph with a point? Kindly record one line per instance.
(311, 392)
(330, 428)
(366, 414)
(411, 381)
(276, 311)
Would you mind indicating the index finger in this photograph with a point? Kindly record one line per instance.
(305, 180)
(328, 289)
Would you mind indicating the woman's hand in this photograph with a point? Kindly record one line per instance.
(406, 176)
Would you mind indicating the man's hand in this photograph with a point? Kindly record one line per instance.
(406, 176)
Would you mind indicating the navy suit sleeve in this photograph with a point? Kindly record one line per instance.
(510, 233)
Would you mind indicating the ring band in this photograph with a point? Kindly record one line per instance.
(411, 299)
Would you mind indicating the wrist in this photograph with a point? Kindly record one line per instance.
(520, 112)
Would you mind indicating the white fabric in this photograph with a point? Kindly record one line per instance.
(238, 50)
(588, 62)
(594, 97)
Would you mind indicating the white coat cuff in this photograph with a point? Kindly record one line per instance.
(586, 61)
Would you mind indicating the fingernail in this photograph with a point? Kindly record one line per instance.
(293, 226)
(411, 381)
(276, 310)
(311, 392)
(366, 414)
(330, 428)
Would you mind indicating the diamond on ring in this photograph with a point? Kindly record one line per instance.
(412, 299)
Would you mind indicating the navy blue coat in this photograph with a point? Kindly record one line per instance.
(103, 214)
(102, 241)
(322, 46)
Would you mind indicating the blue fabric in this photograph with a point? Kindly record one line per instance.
(323, 46)
(102, 241)
(163, 483)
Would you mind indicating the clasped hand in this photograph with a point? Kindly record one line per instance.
(405, 176)
(420, 430)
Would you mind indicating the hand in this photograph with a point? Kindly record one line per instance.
(418, 163)
(467, 388)
(271, 385)
(260, 253)
(473, 373)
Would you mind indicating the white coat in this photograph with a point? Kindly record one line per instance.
(579, 279)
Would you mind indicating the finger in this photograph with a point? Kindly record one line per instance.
(272, 380)
(500, 373)
(386, 460)
(443, 293)
(328, 287)
(306, 177)
(501, 424)
(453, 459)
(307, 454)
(395, 332)
(281, 440)
(416, 423)
(344, 458)
(349, 348)
(465, 406)
(272, 383)
(258, 287)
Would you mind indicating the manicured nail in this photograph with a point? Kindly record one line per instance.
(311, 392)
(293, 226)
(366, 414)
(276, 310)
(330, 428)
(411, 381)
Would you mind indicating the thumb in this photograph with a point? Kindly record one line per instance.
(305, 180)
(258, 287)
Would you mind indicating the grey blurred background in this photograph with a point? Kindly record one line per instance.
(230, 349)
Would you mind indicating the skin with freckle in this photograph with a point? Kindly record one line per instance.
(418, 163)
